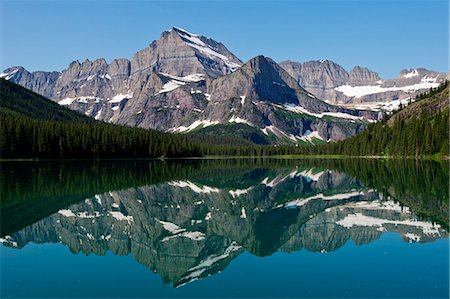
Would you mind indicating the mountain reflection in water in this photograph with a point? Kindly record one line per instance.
(195, 218)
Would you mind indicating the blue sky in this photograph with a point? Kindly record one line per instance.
(386, 36)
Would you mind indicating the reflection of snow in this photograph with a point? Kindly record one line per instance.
(195, 235)
(302, 201)
(177, 231)
(359, 219)
(194, 187)
(239, 192)
(196, 271)
(119, 216)
(171, 227)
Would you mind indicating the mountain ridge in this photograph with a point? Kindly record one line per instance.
(332, 83)
(184, 81)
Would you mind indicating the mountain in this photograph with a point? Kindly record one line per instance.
(419, 129)
(361, 87)
(101, 90)
(19, 101)
(35, 127)
(185, 82)
(263, 97)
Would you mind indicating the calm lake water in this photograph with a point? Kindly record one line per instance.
(225, 228)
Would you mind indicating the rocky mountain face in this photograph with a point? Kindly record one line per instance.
(329, 81)
(263, 96)
(187, 230)
(185, 82)
(188, 83)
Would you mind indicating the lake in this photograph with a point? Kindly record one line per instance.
(225, 229)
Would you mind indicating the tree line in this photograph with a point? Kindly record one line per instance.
(25, 135)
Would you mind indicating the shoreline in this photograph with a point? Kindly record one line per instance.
(281, 157)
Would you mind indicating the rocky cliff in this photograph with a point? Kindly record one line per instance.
(331, 82)
(184, 82)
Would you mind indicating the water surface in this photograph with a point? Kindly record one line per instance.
(225, 228)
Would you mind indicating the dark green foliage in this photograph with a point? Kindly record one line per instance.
(23, 137)
(16, 100)
(32, 126)
(424, 132)
(31, 190)
(230, 134)
(28, 133)
(420, 129)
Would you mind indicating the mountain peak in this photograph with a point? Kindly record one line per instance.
(11, 72)
(363, 76)
(257, 60)
(260, 78)
(182, 31)
(213, 51)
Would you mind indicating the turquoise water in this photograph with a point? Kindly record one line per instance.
(225, 229)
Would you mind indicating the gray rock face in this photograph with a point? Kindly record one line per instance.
(39, 82)
(318, 77)
(263, 95)
(102, 90)
(184, 82)
(362, 76)
(332, 83)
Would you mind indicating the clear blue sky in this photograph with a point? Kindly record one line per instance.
(385, 36)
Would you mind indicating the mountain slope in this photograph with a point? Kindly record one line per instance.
(260, 94)
(101, 90)
(332, 83)
(17, 100)
(184, 82)
(35, 127)
(419, 129)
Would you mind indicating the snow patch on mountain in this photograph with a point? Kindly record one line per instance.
(171, 85)
(84, 99)
(120, 97)
(194, 125)
(243, 213)
(9, 75)
(340, 196)
(359, 91)
(194, 41)
(311, 175)
(188, 78)
(195, 235)
(381, 106)
(238, 120)
(310, 136)
(412, 237)
(388, 205)
(301, 110)
(67, 213)
(413, 73)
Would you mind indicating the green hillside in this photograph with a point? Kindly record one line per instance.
(419, 129)
(32, 126)
(18, 101)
